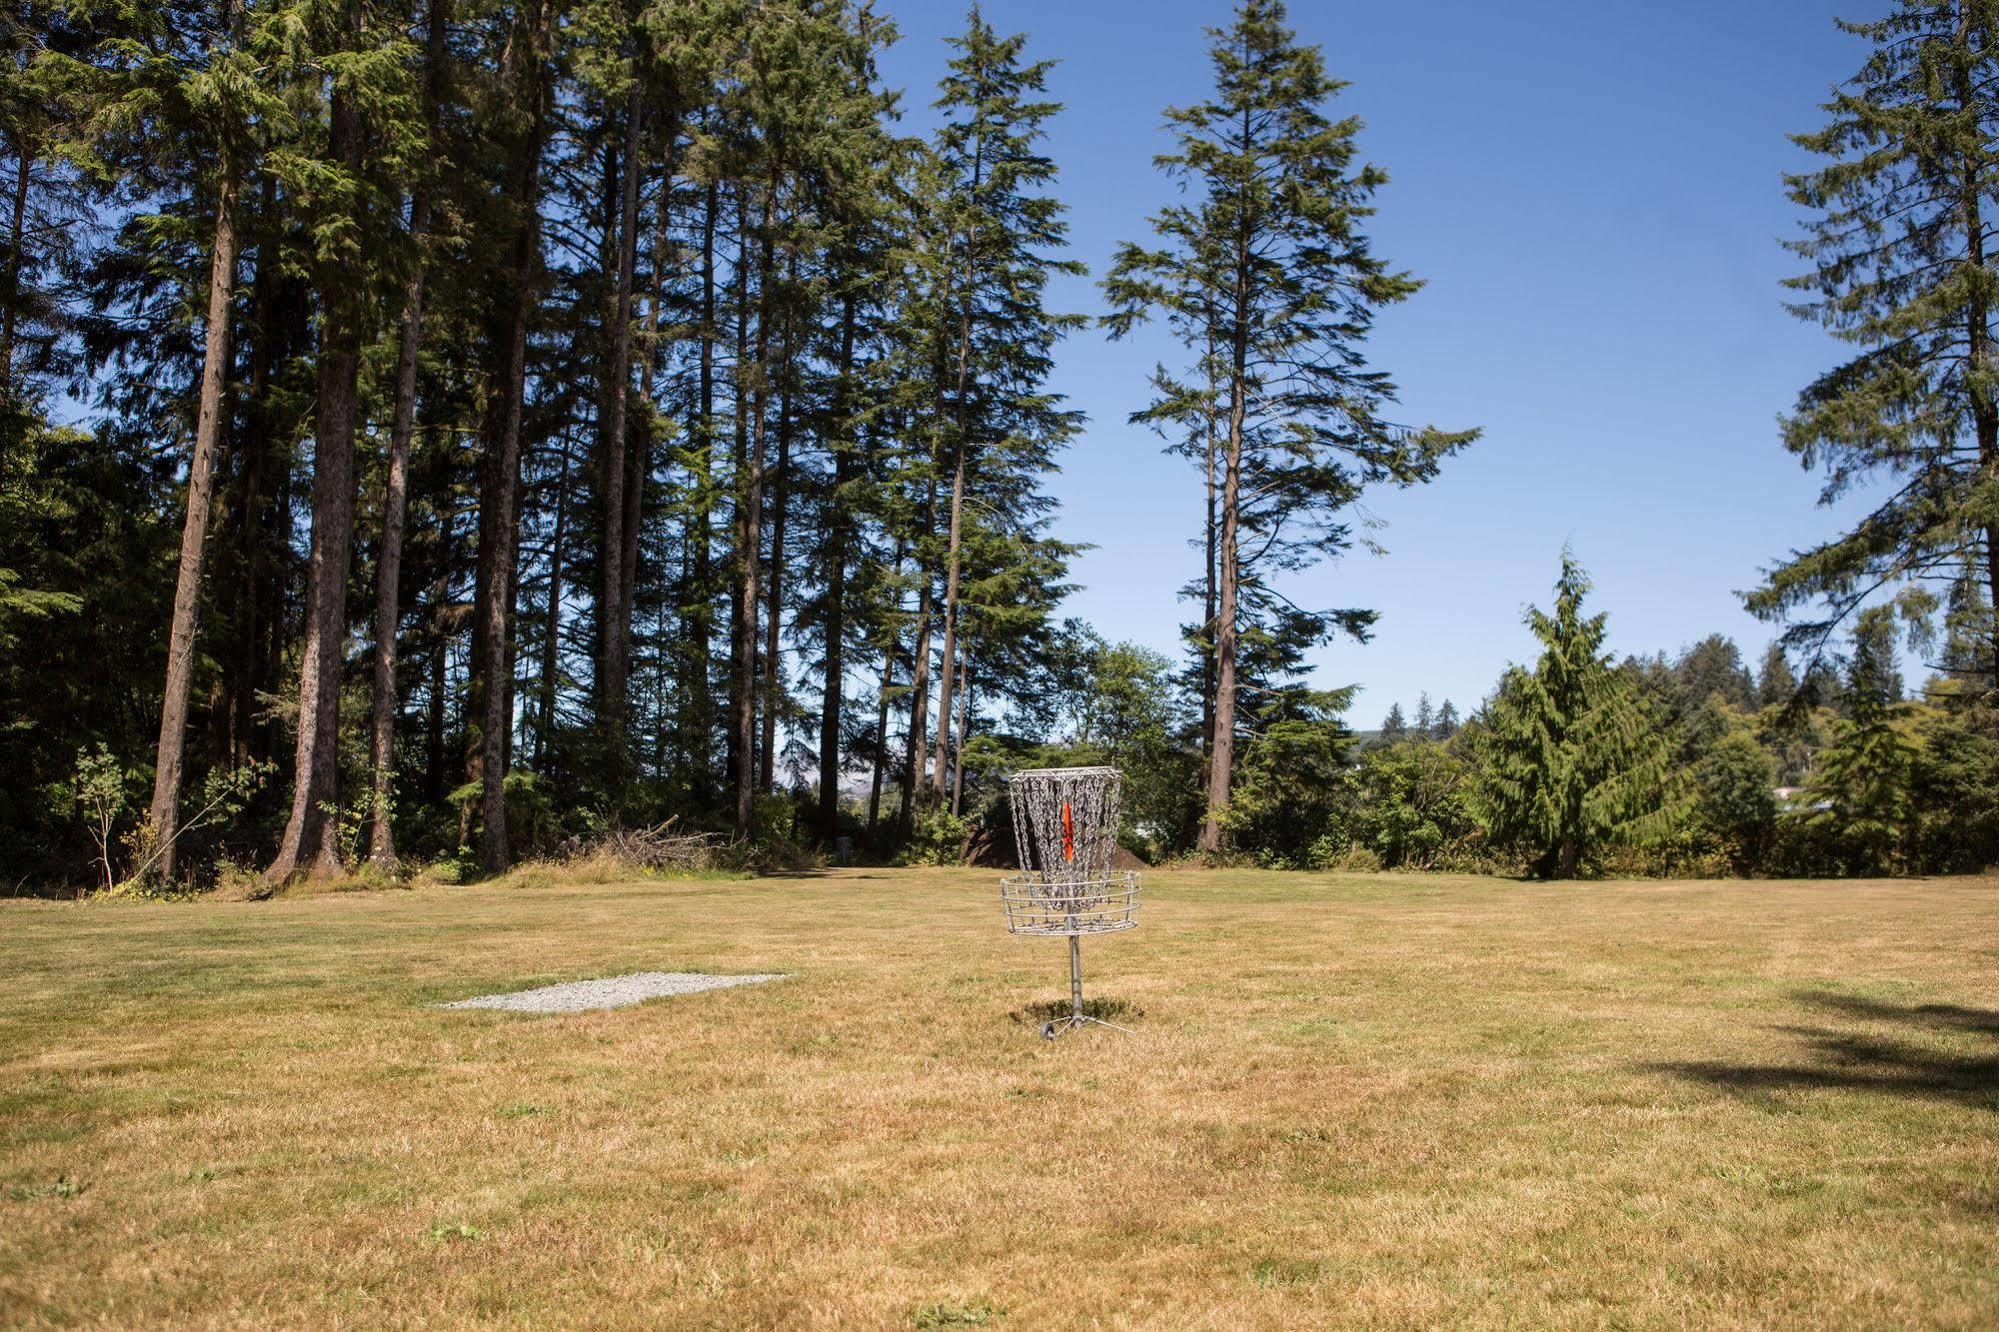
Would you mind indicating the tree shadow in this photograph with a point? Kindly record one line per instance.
(1855, 1059)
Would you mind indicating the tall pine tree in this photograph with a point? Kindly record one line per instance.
(1266, 275)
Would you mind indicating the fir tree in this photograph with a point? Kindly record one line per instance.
(1267, 277)
(1860, 790)
(1447, 723)
(1394, 728)
(1776, 683)
(1569, 758)
(1426, 715)
(1898, 247)
(1000, 228)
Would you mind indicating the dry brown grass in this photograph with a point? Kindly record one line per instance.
(1354, 1101)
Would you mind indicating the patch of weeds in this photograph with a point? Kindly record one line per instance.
(939, 1313)
(1271, 1273)
(441, 1233)
(520, 1110)
(61, 1187)
(203, 1175)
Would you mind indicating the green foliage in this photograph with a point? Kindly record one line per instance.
(1736, 799)
(939, 837)
(1898, 248)
(1413, 806)
(1570, 757)
(1291, 790)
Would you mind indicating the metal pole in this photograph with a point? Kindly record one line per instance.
(1076, 975)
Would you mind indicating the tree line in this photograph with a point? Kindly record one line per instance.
(442, 428)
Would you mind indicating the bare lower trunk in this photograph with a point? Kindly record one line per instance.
(964, 734)
(167, 772)
(498, 551)
(312, 834)
(551, 639)
(395, 500)
(919, 697)
(700, 519)
(749, 536)
(836, 594)
(16, 238)
(945, 682)
(613, 604)
(773, 676)
(1222, 751)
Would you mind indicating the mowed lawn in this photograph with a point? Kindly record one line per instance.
(1394, 1101)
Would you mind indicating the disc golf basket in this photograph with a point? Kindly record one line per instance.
(1065, 830)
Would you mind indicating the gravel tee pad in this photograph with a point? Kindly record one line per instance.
(607, 992)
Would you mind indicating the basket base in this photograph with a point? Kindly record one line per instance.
(1062, 1026)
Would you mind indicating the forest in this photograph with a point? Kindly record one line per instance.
(439, 433)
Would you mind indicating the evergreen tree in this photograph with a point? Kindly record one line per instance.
(1394, 728)
(1426, 716)
(999, 229)
(1447, 723)
(1898, 247)
(1776, 684)
(1267, 277)
(1569, 758)
(1860, 792)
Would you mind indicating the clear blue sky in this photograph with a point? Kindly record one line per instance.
(1593, 193)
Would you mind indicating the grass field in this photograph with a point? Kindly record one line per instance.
(1391, 1101)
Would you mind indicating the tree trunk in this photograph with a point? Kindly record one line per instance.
(497, 549)
(698, 603)
(1222, 750)
(551, 642)
(944, 673)
(16, 239)
(836, 593)
(165, 813)
(1978, 334)
(395, 495)
(740, 759)
(773, 675)
(749, 518)
(313, 830)
(613, 605)
(964, 734)
(919, 698)
(640, 450)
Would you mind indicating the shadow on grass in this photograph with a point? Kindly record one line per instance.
(1103, 1010)
(1855, 1059)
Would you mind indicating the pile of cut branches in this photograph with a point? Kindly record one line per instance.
(661, 847)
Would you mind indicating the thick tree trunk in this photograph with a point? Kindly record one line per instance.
(167, 772)
(313, 830)
(700, 519)
(1222, 751)
(497, 551)
(640, 451)
(395, 495)
(613, 601)
(24, 159)
(836, 590)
